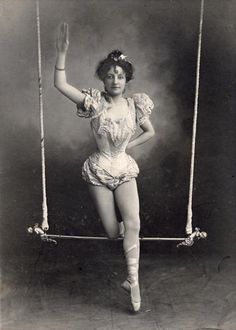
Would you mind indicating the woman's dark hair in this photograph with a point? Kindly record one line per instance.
(116, 57)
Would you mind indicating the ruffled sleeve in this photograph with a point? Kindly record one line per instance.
(91, 103)
(144, 107)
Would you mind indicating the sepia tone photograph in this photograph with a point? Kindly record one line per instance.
(118, 161)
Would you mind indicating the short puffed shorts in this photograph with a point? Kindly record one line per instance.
(109, 171)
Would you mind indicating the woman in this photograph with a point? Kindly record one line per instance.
(110, 172)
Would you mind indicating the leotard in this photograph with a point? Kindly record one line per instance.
(110, 165)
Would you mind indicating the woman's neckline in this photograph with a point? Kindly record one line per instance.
(123, 117)
(108, 97)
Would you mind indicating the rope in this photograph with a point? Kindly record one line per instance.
(44, 201)
(188, 227)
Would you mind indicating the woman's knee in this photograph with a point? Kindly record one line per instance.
(113, 235)
(132, 223)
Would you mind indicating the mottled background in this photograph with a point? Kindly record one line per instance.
(160, 37)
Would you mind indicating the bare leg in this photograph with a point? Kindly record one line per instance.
(127, 200)
(105, 204)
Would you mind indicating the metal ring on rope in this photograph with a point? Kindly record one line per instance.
(184, 241)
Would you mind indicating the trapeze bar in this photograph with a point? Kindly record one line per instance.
(187, 241)
(119, 238)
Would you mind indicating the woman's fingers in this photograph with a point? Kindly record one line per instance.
(62, 30)
(67, 32)
(62, 41)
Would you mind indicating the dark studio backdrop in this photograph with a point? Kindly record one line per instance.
(160, 38)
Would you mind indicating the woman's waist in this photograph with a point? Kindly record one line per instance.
(114, 164)
(109, 157)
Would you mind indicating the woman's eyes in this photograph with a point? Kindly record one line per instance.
(112, 77)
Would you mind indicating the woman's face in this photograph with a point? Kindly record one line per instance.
(115, 81)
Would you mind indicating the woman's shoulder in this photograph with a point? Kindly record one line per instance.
(142, 99)
(92, 103)
(143, 105)
(92, 92)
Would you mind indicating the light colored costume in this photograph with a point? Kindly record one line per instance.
(110, 165)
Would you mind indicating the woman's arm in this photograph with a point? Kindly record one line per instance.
(148, 133)
(60, 81)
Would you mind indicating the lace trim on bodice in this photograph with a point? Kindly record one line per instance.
(96, 104)
(119, 130)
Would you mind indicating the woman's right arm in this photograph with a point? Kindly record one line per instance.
(60, 81)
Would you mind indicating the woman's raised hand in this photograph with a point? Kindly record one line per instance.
(62, 42)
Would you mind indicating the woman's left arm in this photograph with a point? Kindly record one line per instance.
(148, 133)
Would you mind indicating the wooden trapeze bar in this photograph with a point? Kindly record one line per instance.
(51, 238)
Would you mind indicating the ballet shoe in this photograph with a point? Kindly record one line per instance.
(128, 287)
(131, 284)
(136, 306)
